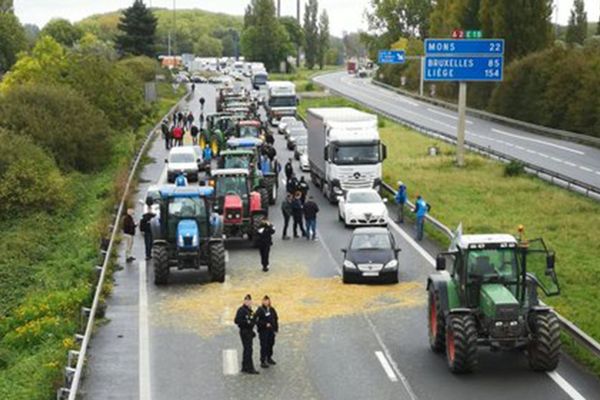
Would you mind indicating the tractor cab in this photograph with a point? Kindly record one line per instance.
(250, 128)
(237, 158)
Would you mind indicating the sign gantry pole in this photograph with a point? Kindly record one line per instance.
(460, 134)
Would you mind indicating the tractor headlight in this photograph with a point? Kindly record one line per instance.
(349, 264)
(392, 264)
(195, 240)
(180, 241)
(238, 215)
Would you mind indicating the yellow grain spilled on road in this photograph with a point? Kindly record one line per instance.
(298, 298)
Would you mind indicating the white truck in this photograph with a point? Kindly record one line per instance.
(344, 150)
(281, 100)
(259, 78)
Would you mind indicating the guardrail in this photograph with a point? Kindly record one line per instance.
(555, 178)
(567, 326)
(534, 128)
(76, 358)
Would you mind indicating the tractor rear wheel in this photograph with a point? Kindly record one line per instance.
(217, 261)
(160, 260)
(436, 323)
(271, 190)
(544, 347)
(461, 343)
(264, 200)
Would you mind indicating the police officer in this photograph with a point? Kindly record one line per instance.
(302, 187)
(268, 326)
(264, 241)
(245, 320)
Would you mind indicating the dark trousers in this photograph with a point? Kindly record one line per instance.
(311, 228)
(286, 223)
(148, 242)
(247, 337)
(264, 255)
(167, 142)
(298, 223)
(267, 341)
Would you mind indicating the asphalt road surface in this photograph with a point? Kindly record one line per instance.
(336, 341)
(570, 159)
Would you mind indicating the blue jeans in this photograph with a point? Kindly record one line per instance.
(311, 228)
(420, 227)
(148, 243)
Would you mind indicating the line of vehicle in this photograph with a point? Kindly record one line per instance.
(144, 336)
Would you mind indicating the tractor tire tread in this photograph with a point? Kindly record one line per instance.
(217, 262)
(464, 329)
(544, 347)
(160, 261)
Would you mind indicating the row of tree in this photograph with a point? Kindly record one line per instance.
(271, 40)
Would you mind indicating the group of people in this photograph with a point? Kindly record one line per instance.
(421, 209)
(298, 206)
(174, 131)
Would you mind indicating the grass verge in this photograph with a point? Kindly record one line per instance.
(486, 201)
(46, 271)
(302, 78)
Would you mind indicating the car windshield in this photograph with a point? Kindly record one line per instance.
(282, 101)
(185, 207)
(493, 264)
(294, 124)
(249, 131)
(379, 241)
(298, 132)
(359, 154)
(260, 79)
(231, 184)
(288, 120)
(182, 158)
(363, 197)
(237, 162)
(302, 141)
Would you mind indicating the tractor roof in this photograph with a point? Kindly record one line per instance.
(251, 122)
(229, 172)
(171, 191)
(472, 241)
(237, 152)
(247, 142)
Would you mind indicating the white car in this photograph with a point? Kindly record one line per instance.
(182, 160)
(362, 207)
(304, 164)
(283, 122)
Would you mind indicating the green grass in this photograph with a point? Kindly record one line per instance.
(302, 77)
(486, 201)
(46, 273)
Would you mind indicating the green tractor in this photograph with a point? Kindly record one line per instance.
(186, 234)
(490, 298)
(218, 129)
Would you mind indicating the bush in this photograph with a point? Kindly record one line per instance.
(514, 168)
(29, 178)
(144, 68)
(309, 87)
(61, 121)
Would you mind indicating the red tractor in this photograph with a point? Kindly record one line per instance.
(242, 208)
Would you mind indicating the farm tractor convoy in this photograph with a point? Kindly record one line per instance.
(490, 298)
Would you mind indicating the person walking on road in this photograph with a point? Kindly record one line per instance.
(193, 87)
(264, 241)
(401, 197)
(194, 132)
(128, 234)
(421, 210)
(310, 216)
(303, 188)
(147, 230)
(202, 101)
(292, 185)
(189, 120)
(297, 215)
(289, 170)
(286, 210)
(267, 323)
(178, 136)
(245, 320)
(166, 133)
(207, 155)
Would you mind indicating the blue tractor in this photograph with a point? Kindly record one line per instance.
(187, 235)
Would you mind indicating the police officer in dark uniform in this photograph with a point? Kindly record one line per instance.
(268, 326)
(245, 320)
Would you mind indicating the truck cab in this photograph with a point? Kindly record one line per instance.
(281, 100)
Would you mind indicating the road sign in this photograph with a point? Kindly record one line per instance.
(464, 68)
(473, 34)
(458, 34)
(391, 57)
(461, 47)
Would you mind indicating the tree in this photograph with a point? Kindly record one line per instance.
(63, 31)
(353, 46)
(208, 46)
(311, 33)
(12, 40)
(264, 38)
(294, 30)
(6, 6)
(323, 38)
(32, 33)
(138, 27)
(577, 28)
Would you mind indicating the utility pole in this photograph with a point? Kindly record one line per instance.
(174, 27)
(299, 23)
(278, 8)
(460, 134)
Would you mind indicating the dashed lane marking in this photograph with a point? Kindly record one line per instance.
(386, 366)
(566, 386)
(443, 114)
(581, 153)
(230, 362)
(556, 159)
(570, 164)
(586, 169)
(144, 336)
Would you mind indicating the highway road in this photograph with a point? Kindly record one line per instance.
(570, 159)
(336, 341)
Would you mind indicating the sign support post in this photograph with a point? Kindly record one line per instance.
(422, 82)
(460, 134)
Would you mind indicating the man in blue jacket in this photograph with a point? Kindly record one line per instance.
(401, 197)
(421, 210)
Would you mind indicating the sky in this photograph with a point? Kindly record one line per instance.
(344, 15)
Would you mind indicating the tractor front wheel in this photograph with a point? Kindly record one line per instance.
(461, 343)
(217, 261)
(436, 323)
(160, 260)
(544, 348)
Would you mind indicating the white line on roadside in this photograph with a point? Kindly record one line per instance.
(556, 159)
(538, 141)
(586, 169)
(543, 155)
(386, 366)
(163, 176)
(144, 336)
(411, 241)
(566, 386)
(531, 151)
(443, 114)
(230, 362)
(519, 147)
(597, 172)
(570, 164)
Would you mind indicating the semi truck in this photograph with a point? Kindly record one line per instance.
(281, 100)
(344, 150)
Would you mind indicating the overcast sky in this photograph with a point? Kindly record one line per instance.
(345, 15)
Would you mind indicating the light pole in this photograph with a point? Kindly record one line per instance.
(299, 23)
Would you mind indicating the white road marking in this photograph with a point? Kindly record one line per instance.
(230, 362)
(411, 241)
(163, 176)
(566, 386)
(226, 317)
(392, 363)
(227, 283)
(531, 151)
(586, 169)
(519, 147)
(556, 159)
(597, 172)
(386, 366)
(538, 141)
(543, 155)
(144, 336)
(570, 164)
(443, 114)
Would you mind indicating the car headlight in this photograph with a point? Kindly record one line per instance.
(349, 264)
(391, 264)
(180, 240)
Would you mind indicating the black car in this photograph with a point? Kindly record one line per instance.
(371, 256)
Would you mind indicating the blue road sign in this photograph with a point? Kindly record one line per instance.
(464, 68)
(391, 57)
(463, 47)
